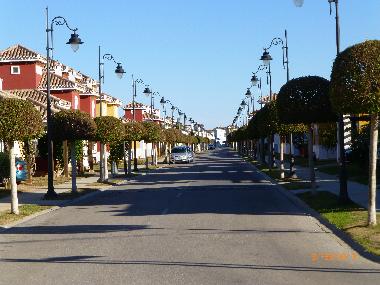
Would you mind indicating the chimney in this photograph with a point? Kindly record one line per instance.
(1, 84)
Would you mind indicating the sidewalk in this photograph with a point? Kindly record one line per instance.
(326, 182)
(35, 195)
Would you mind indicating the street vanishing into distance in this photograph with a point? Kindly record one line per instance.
(216, 221)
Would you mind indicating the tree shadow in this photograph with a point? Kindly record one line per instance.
(99, 260)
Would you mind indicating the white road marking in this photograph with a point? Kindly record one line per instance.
(179, 195)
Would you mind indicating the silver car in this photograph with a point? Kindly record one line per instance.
(181, 154)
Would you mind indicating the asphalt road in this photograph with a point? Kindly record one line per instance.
(216, 221)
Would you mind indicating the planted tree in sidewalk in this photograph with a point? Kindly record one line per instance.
(152, 134)
(306, 100)
(355, 89)
(268, 125)
(109, 130)
(19, 121)
(133, 131)
(73, 126)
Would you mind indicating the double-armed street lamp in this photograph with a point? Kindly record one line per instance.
(343, 193)
(134, 94)
(148, 92)
(119, 71)
(75, 42)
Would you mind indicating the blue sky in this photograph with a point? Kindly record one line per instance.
(199, 54)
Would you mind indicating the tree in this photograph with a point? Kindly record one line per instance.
(19, 121)
(108, 130)
(152, 135)
(306, 100)
(73, 125)
(355, 89)
(133, 131)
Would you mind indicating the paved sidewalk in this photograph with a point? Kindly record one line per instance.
(35, 195)
(326, 182)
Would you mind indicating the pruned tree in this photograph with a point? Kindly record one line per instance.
(152, 134)
(305, 100)
(133, 131)
(355, 89)
(19, 121)
(108, 130)
(73, 125)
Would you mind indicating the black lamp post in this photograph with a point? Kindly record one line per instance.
(173, 109)
(147, 92)
(285, 62)
(184, 121)
(119, 71)
(75, 42)
(343, 191)
(134, 94)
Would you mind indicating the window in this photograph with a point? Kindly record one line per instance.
(15, 69)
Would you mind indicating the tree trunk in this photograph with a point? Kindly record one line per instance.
(73, 168)
(311, 160)
(12, 169)
(105, 167)
(152, 153)
(65, 159)
(129, 159)
(270, 154)
(282, 167)
(146, 157)
(372, 170)
(90, 157)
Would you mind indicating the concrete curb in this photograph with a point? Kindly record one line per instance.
(322, 222)
(60, 205)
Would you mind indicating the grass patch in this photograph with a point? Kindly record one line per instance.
(349, 217)
(355, 172)
(25, 210)
(42, 181)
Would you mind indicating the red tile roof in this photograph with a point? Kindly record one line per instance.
(56, 82)
(38, 99)
(19, 52)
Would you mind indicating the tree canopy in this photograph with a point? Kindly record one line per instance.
(19, 120)
(152, 132)
(355, 79)
(73, 125)
(305, 100)
(109, 129)
(133, 131)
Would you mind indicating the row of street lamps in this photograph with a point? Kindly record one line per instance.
(75, 43)
(266, 58)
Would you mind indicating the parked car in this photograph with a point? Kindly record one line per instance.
(211, 146)
(21, 170)
(181, 154)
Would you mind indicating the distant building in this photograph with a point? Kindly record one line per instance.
(220, 136)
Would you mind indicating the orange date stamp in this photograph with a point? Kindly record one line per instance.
(333, 256)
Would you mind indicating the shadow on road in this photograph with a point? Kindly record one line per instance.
(97, 260)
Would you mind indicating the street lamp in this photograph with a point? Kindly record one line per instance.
(266, 57)
(119, 71)
(134, 94)
(74, 42)
(298, 3)
(173, 108)
(343, 193)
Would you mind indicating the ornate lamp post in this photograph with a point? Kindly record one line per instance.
(119, 71)
(343, 193)
(75, 42)
(285, 62)
(173, 109)
(134, 94)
